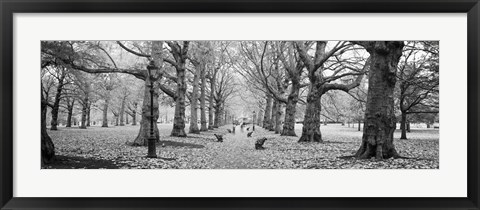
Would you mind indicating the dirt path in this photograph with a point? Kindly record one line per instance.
(238, 151)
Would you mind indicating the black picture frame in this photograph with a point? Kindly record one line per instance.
(9, 7)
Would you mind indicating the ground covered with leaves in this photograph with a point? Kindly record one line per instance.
(98, 147)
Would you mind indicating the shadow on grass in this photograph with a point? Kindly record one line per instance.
(71, 162)
(179, 144)
(338, 142)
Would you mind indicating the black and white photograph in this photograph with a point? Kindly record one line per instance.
(240, 104)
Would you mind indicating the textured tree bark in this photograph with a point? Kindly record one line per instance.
(268, 109)
(179, 118)
(218, 115)
(88, 114)
(203, 117)
(193, 104)
(273, 119)
(211, 103)
(290, 111)
(55, 107)
(83, 124)
(70, 112)
(180, 55)
(144, 133)
(380, 122)
(69, 118)
(115, 115)
(279, 117)
(311, 121)
(359, 125)
(403, 125)
(105, 114)
(47, 146)
(56, 103)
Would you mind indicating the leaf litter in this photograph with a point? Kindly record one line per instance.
(98, 147)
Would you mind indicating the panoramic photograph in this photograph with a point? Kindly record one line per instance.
(254, 104)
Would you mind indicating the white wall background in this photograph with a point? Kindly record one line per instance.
(449, 180)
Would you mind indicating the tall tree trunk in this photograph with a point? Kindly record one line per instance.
(193, 104)
(273, 120)
(260, 118)
(311, 121)
(47, 146)
(211, 103)
(55, 107)
(403, 125)
(279, 117)
(290, 111)
(218, 115)
(203, 117)
(179, 118)
(144, 133)
(88, 114)
(56, 103)
(380, 122)
(180, 55)
(69, 117)
(83, 124)
(126, 119)
(359, 125)
(134, 113)
(70, 112)
(268, 110)
(122, 111)
(134, 118)
(225, 119)
(105, 114)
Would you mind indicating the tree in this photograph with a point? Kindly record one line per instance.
(91, 57)
(47, 146)
(356, 104)
(105, 84)
(418, 81)
(225, 86)
(70, 103)
(83, 83)
(377, 139)
(201, 54)
(212, 78)
(203, 117)
(132, 111)
(194, 98)
(294, 67)
(320, 83)
(217, 63)
(179, 53)
(124, 94)
(60, 73)
(267, 118)
(260, 67)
